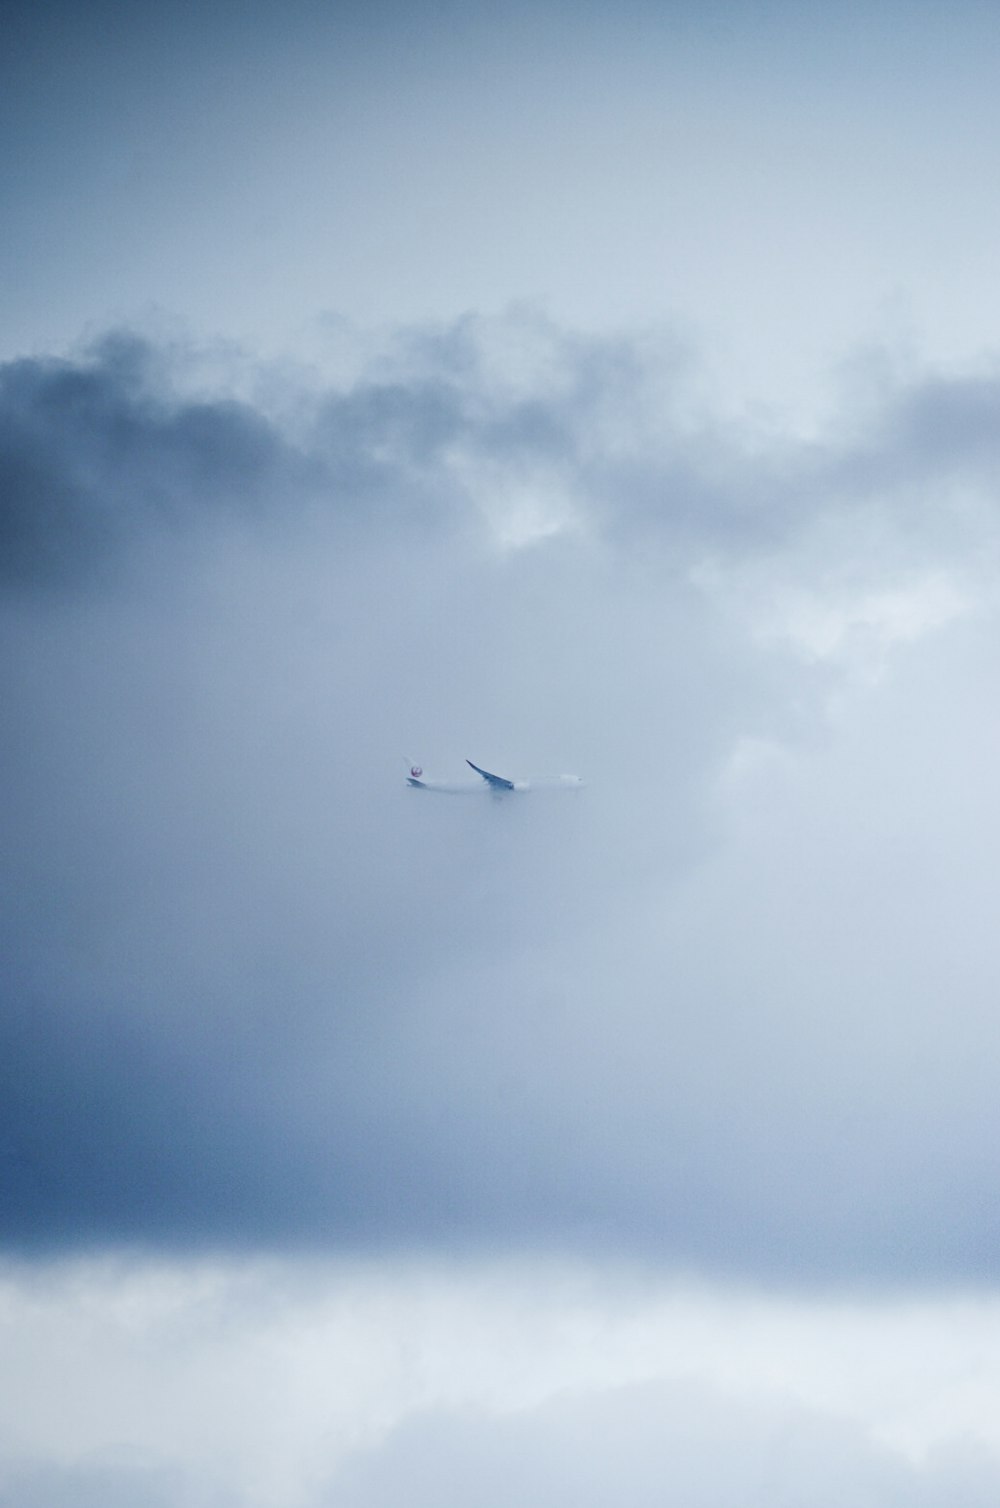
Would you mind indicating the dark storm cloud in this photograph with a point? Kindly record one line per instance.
(97, 451)
(257, 992)
(93, 452)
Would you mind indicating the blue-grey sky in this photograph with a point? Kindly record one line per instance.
(780, 181)
(604, 390)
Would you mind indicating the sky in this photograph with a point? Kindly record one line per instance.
(609, 391)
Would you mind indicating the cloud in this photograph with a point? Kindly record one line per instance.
(723, 1009)
(94, 453)
(691, 1442)
(274, 1382)
(36, 1484)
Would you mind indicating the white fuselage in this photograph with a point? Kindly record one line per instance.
(482, 788)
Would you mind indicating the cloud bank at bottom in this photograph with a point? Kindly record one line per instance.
(273, 1384)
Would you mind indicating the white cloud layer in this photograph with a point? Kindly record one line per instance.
(296, 1385)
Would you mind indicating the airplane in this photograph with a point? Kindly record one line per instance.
(496, 785)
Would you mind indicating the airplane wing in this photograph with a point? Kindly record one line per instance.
(496, 781)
